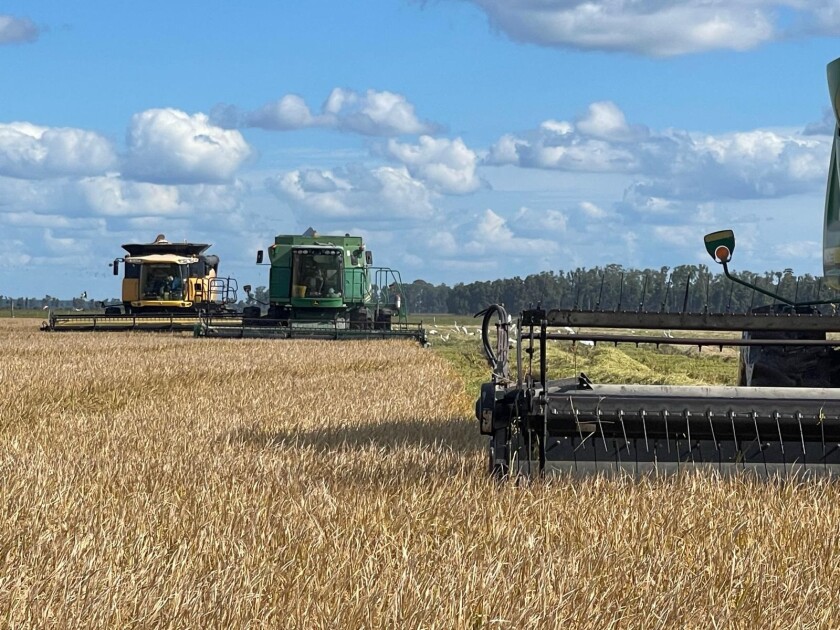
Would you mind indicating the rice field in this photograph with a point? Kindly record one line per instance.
(155, 480)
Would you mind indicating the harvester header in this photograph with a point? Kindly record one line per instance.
(782, 418)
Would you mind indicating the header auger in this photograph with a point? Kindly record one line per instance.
(782, 419)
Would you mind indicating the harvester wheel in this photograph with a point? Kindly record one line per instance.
(383, 321)
(498, 463)
(360, 320)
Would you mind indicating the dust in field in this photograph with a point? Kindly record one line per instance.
(160, 480)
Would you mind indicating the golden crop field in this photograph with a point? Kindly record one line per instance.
(155, 480)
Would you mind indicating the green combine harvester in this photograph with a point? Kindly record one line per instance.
(782, 419)
(323, 287)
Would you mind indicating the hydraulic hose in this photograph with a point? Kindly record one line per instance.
(497, 359)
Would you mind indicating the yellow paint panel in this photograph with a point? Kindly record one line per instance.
(130, 289)
(831, 255)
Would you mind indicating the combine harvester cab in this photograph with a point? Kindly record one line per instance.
(782, 419)
(165, 286)
(325, 287)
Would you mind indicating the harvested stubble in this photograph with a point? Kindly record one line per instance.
(164, 481)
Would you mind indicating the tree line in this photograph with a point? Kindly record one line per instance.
(691, 288)
(683, 288)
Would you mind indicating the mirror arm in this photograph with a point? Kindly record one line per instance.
(759, 289)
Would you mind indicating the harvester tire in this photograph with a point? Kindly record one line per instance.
(359, 319)
(383, 321)
(498, 462)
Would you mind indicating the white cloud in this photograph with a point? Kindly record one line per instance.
(808, 250)
(746, 165)
(13, 253)
(598, 142)
(28, 219)
(372, 113)
(17, 30)
(677, 236)
(660, 28)
(506, 150)
(592, 210)
(29, 151)
(448, 166)
(168, 146)
(672, 164)
(603, 120)
(115, 197)
(491, 235)
(380, 194)
(538, 223)
(64, 245)
(27, 195)
(290, 112)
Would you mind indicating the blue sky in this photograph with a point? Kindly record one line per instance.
(465, 139)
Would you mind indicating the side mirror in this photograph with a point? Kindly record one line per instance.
(369, 257)
(720, 245)
(259, 256)
(116, 265)
(247, 288)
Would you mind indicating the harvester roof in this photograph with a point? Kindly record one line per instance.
(178, 259)
(162, 246)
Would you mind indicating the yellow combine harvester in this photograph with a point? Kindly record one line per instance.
(165, 287)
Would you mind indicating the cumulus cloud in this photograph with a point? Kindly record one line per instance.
(372, 113)
(448, 166)
(115, 197)
(593, 211)
(672, 164)
(168, 146)
(29, 195)
(290, 112)
(537, 223)
(660, 28)
(492, 235)
(748, 165)
(29, 151)
(600, 141)
(15, 30)
(380, 194)
(605, 121)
